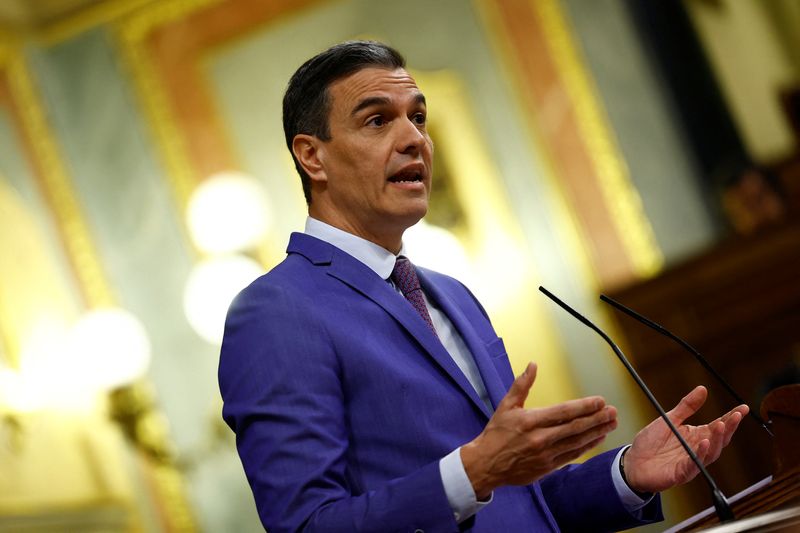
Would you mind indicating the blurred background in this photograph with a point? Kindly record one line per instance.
(647, 150)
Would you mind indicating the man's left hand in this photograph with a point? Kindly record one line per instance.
(656, 460)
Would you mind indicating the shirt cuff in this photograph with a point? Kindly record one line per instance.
(458, 488)
(630, 500)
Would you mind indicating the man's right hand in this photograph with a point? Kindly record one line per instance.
(519, 445)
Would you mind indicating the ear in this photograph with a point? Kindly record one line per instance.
(306, 149)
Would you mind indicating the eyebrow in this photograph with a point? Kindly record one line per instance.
(419, 98)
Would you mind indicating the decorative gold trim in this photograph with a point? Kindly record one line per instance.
(90, 17)
(565, 215)
(172, 489)
(64, 203)
(8, 47)
(77, 239)
(131, 34)
(71, 507)
(572, 238)
(621, 197)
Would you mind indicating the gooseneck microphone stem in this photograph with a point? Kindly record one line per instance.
(702, 360)
(723, 509)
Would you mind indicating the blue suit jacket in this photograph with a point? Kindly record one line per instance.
(343, 402)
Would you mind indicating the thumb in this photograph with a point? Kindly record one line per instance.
(518, 393)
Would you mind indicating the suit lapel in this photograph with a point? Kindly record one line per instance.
(492, 382)
(361, 278)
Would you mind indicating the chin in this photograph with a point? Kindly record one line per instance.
(418, 212)
(410, 216)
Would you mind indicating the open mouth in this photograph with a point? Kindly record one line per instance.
(406, 177)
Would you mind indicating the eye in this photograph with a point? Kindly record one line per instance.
(420, 119)
(377, 120)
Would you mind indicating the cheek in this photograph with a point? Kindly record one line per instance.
(429, 151)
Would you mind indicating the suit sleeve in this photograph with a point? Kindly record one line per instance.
(578, 491)
(280, 381)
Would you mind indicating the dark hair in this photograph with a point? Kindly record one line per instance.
(306, 104)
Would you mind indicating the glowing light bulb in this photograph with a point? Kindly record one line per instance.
(109, 348)
(210, 289)
(228, 212)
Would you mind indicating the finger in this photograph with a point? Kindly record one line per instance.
(688, 468)
(556, 415)
(701, 451)
(518, 392)
(731, 425)
(688, 405)
(716, 442)
(741, 410)
(730, 422)
(570, 435)
(584, 424)
(580, 440)
(573, 454)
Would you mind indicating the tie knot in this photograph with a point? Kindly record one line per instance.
(404, 276)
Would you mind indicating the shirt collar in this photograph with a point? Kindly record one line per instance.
(377, 258)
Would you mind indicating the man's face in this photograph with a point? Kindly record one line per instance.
(377, 163)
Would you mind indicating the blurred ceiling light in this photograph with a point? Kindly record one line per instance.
(16, 393)
(210, 289)
(228, 212)
(65, 368)
(42, 374)
(108, 348)
(438, 249)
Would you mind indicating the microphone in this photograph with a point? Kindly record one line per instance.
(702, 360)
(723, 509)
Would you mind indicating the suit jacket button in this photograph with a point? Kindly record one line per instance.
(419, 531)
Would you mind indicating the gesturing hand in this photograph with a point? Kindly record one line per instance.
(519, 445)
(656, 460)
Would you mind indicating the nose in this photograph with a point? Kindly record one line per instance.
(410, 138)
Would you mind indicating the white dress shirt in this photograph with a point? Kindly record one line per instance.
(457, 485)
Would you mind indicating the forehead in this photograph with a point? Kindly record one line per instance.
(371, 82)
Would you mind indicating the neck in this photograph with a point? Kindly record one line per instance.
(389, 240)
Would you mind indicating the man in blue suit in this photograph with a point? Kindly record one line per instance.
(367, 394)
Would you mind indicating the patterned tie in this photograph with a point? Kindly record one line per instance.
(405, 278)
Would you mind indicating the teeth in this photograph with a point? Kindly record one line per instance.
(411, 179)
(405, 179)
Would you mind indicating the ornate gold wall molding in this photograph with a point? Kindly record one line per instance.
(565, 214)
(92, 16)
(8, 46)
(56, 185)
(165, 48)
(572, 138)
(133, 33)
(82, 255)
(620, 196)
(6, 355)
